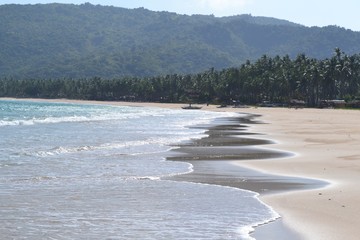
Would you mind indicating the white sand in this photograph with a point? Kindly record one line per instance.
(327, 143)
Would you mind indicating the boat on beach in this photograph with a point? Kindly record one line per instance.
(191, 107)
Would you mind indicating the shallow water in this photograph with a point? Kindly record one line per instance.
(77, 171)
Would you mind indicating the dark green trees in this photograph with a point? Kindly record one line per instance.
(274, 79)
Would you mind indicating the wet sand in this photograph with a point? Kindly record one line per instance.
(215, 159)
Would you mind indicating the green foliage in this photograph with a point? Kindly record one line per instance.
(83, 41)
(274, 79)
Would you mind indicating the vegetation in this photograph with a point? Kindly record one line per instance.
(275, 79)
(82, 41)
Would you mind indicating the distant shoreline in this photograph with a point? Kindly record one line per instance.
(326, 142)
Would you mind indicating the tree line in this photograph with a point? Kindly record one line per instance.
(274, 79)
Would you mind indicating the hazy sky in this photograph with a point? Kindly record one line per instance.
(343, 13)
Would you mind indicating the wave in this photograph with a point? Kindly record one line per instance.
(65, 119)
(49, 115)
(76, 149)
(101, 177)
(48, 120)
(246, 231)
(144, 178)
(94, 116)
(130, 146)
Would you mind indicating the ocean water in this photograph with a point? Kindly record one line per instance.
(81, 171)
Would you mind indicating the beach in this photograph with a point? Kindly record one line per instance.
(322, 146)
(326, 145)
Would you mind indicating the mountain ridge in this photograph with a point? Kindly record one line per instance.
(67, 40)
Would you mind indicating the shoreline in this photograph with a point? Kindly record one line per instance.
(227, 145)
(326, 143)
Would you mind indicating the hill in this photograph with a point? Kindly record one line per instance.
(65, 40)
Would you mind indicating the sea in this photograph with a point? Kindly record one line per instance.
(94, 171)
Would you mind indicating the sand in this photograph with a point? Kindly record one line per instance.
(326, 143)
(326, 146)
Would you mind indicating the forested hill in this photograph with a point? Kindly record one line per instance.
(76, 41)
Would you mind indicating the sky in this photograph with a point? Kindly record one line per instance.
(319, 13)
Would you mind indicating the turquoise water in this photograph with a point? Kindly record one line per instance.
(80, 171)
